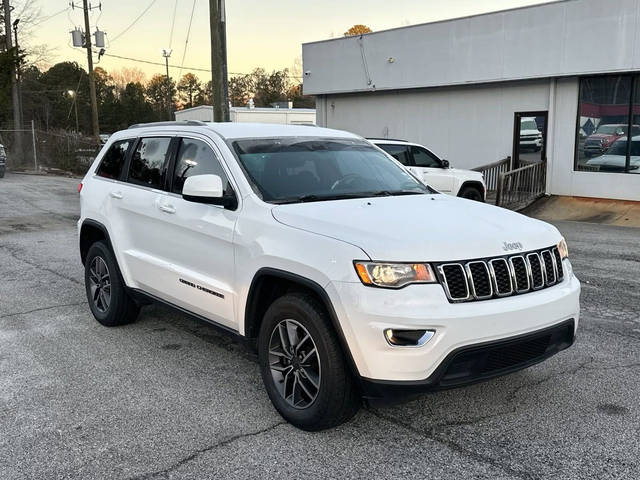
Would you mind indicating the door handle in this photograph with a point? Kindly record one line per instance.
(168, 208)
(117, 195)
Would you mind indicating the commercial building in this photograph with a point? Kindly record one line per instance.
(558, 81)
(287, 116)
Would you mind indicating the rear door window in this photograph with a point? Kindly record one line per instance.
(113, 161)
(399, 152)
(149, 162)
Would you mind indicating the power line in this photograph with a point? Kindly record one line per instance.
(186, 42)
(42, 20)
(173, 23)
(195, 69)
(149, 62)
(134, 22)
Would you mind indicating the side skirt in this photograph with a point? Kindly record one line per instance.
(145, 298)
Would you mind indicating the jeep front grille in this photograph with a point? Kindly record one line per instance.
(501, 276)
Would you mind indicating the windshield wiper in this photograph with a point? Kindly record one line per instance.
(393, 193)
(318, 198)
(345, 196)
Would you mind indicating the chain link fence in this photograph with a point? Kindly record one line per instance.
(57, 151)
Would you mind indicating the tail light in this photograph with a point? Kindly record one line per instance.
(79, 187)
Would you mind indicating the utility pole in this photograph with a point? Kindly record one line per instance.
(92, 83)
(17, 117)
(219, 61)
(18, 74)
(166, 53)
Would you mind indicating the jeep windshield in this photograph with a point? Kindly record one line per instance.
(292, 170)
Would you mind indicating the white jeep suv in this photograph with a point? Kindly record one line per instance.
(434, 171)
(351, 278)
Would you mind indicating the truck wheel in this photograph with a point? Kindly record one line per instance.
(108, 299)
(471, 193)
(302, 365)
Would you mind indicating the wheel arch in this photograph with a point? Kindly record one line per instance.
(472, 184)
(262, 293)
(92, 231)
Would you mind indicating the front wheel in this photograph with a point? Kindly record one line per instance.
(471, 193)
(302, 365)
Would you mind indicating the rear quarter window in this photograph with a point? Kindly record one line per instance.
(399, 152)
(113, 161)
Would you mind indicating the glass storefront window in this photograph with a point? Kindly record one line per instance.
(605, 123)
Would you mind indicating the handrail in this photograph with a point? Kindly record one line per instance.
(518, 188)
(492, 171)
(491, 165)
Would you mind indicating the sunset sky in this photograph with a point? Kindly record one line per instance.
(265, 33)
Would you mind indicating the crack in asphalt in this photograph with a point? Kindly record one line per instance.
(572, 371)
(197, 453)
(66, 217)
(13, 252)
(609, 332)
(50, 307)
(432, 434)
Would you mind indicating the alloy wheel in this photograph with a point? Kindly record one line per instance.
(100, 284)
(294, 363)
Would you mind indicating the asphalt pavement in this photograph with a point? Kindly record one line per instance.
(170, 397)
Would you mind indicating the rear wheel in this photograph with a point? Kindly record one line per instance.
(302, 365)
(106, 293)
(471, 193)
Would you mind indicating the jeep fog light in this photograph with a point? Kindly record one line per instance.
(407, 338)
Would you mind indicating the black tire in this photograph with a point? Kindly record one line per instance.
(471, 193)
(120, 308)
(337, 398)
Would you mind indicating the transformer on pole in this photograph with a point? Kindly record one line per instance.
(82, 38)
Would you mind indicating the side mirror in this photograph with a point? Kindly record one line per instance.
(619, 132)
(445, 163)
(207, 189)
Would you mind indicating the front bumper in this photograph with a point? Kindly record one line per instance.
(365, 312)
(594, 149)
(476, 363)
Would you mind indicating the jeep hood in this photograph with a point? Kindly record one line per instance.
(419, 227)
(466, 174)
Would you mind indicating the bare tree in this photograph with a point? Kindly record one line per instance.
(126, 75)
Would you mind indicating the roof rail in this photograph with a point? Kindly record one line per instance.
(184, 123)
(390, 139)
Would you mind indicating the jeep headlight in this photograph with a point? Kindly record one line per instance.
(563, 249)
(394, 275)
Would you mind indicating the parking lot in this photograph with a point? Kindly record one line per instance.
(170, 397)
